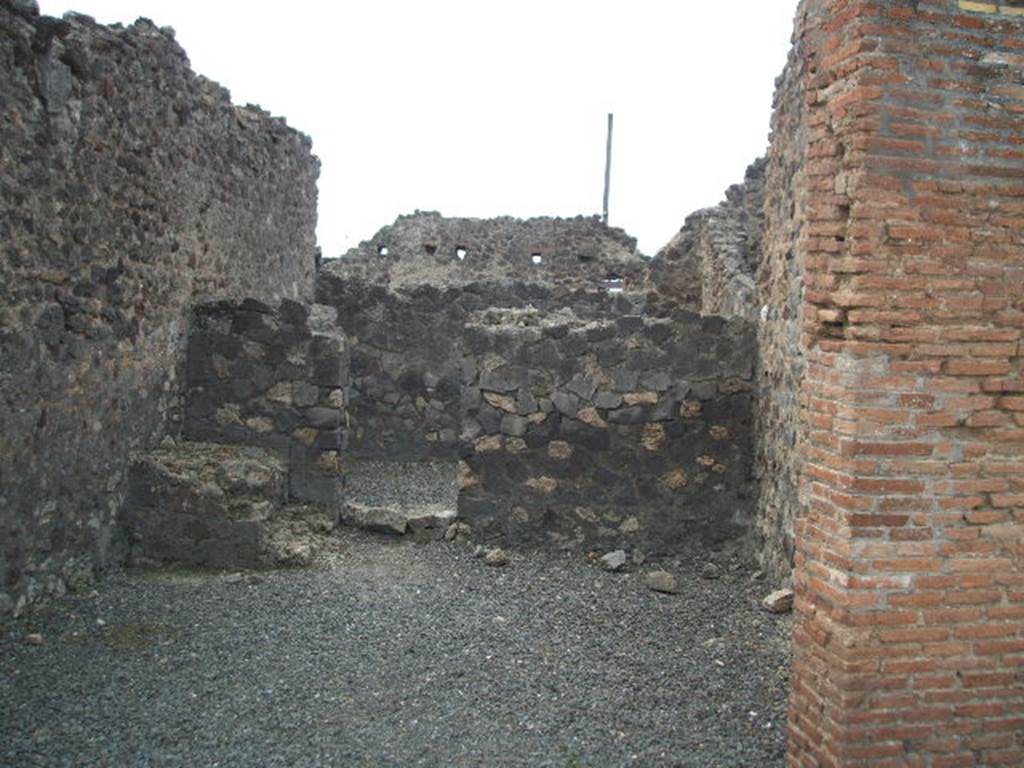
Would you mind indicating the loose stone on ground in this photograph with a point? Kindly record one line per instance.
(662, 581)
(392, 652)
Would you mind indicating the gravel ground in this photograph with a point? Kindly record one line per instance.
(420, 485)
(390, 653)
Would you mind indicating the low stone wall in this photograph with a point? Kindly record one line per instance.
(222, 506)
(274, 379)
(131, 188)
(408, 359)
(627, 431)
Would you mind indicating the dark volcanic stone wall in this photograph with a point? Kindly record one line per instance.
(275, 379)
(781, 359)
(427, 248)
(614, 432)
(408, 362)
(709, 265)
(130, 188)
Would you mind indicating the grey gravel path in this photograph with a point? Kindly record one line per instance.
(421, 485)
(398, 654)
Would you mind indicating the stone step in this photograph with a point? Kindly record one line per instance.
(415, 497)
(422, 522)
(221, 506)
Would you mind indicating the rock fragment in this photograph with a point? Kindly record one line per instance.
(710, 571)
(614, 561)
(496, 558)
(779, 601)
(457, 532)
(662, 581)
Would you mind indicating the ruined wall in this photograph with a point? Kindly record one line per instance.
(274, 379)
(427, 248)
(612, 432)
(909, 567)
(408, 359)
(130, 189)
(780, 280)
(579, 421)
(709, 266)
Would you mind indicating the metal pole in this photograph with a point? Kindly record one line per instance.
(608, 167)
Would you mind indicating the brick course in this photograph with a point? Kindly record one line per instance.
(908, 572)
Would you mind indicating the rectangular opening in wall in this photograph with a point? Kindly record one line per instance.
(614, 284)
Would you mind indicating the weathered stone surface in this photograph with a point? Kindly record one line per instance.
(218, 505)
(283, 409)
(559, 449)
(661, 581)
(614, 561)
(710, 571)
(547, 384)
(566, 403)
(640, 398)
(779, 601)
(131, 189)
(608, 400)
(710, 265)
(427, 248)
(430, 524)
(458, 532)
(543, 484)
(298, 534)
(496, 558)
(592, 417)
(659, 475)
(502, 402)
(380, 519)
(514, 426)
(653, 437)
(781, 360)
(675, 479)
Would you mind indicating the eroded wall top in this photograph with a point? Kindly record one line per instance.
(709, 265)
(426, 248)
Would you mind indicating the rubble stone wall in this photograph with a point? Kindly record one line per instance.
(426, 248)
(407, 355)
(274, 379)
(616, 431)
(709, 266)
(130, 188)
(780, 360)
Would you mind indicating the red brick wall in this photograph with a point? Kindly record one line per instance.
(909, 566)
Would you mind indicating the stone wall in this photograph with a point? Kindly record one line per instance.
(579, 421)
(429, 249)
(407, 354)
(709, 266)
(780, 359)
(610, 432)
(274, 379)
(909, 568)
(131, 188)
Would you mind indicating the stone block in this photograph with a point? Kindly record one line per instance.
(514, 426)
(205, 504)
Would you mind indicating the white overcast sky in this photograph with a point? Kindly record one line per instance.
(483, 108)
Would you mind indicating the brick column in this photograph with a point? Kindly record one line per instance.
(909, 202)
